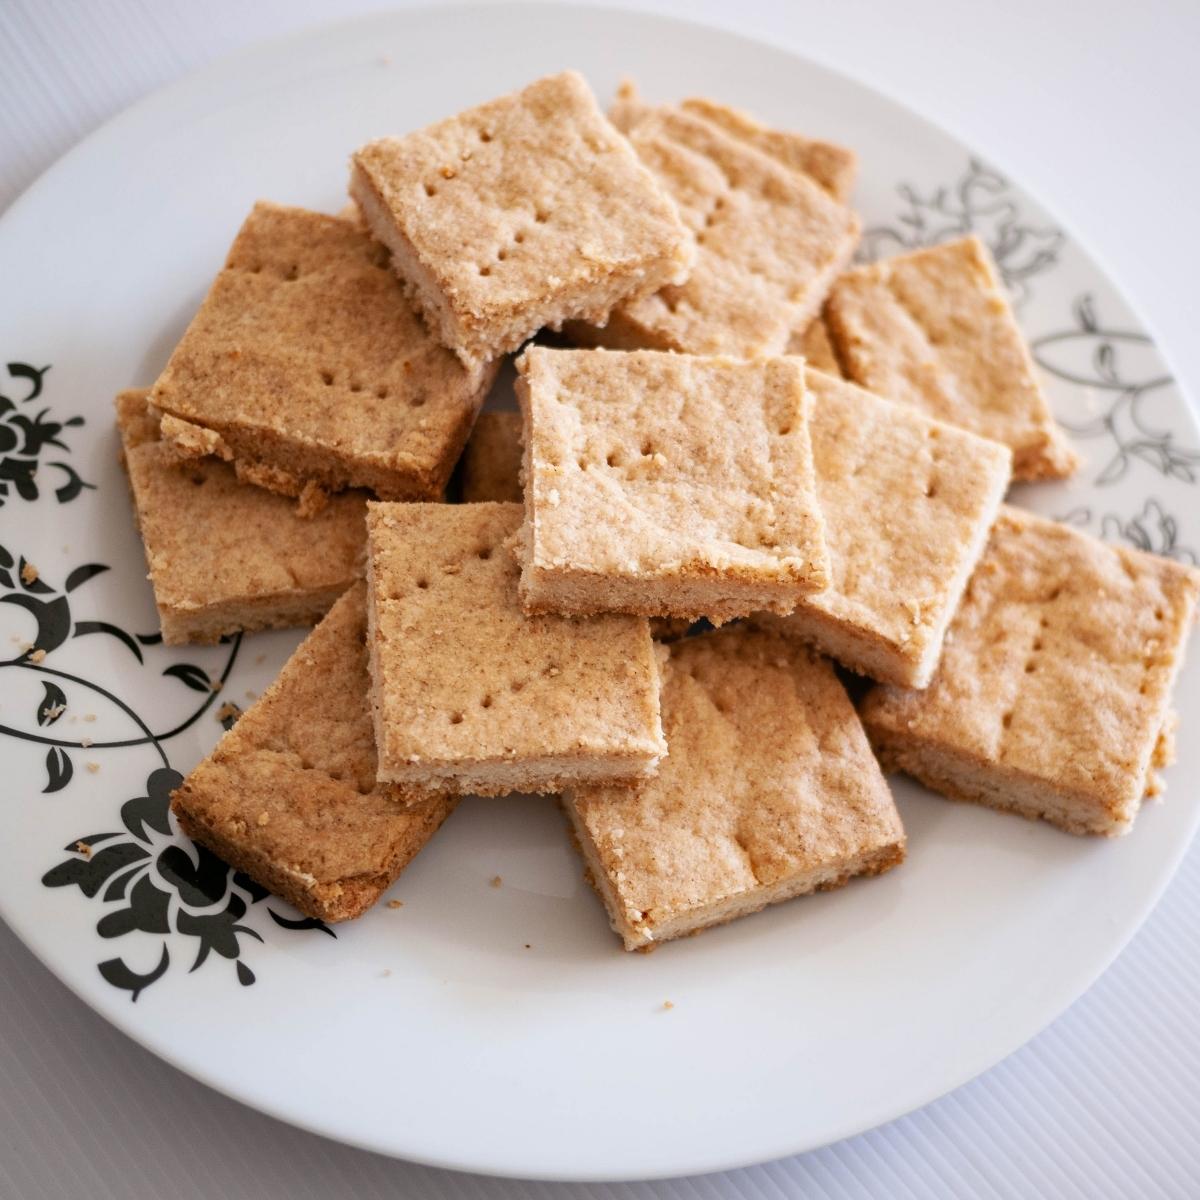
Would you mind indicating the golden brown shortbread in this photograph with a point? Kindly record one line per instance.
(223, 555)
(667, 485)
(519, 214)
(769, 243)
(470, 694)
(769, 791)
(289, 795)
(308, 369)
(933, 329)
(492, 471)
(908, 503)
(1053, 692)
(831, 166)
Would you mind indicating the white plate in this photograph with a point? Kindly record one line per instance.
(503, 1030)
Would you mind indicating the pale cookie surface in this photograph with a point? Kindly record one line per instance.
(908, 502)
(306, 366)
(471, 694)
(667, 484)
(224, 555)
(492, 471)
(289, 794)
(519, 214)
(831, 166)
(491, 463)
(933, 329)
(769, 791)
(1055, 682)
(769, 243)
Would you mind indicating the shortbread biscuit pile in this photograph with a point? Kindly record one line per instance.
(730, 426)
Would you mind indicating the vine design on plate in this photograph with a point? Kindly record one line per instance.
(1152, 529)
(1123, 372)
(982, 202)
(23, 585)
(164, 882)
(25, 434)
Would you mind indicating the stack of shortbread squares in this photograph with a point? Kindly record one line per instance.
(746, 431)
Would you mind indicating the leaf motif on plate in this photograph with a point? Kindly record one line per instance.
(25, 434)
(53, 705)
(1121, 368)
(119, 975)
(82, 574)
(59, 770)
(83, 628)
(300, 923)
(194, 677)
(89, 871)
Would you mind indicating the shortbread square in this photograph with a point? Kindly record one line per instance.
(290, 794)
(492, 471)
(225, 556)
(519, 214)
(908, 503)
(769, 791)
(834, 168)
(933, 329)
(471, 695)
(308, 369)
(491, 463)
(769, 243)
(831, 166)
(1051, 699)
(667, 485)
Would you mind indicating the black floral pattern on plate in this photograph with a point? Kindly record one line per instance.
(164, 884)
(980, 201)
(154, 883)
(25, 434)
(1153, 529)
(1123, 370)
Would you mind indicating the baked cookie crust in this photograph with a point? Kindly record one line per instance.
(225, 556)
(769, 791)
(290, 796)
(668, 485)
(471, 695)
(517, 215)
(934, 329)
(1053, 694)
(309, 371)
(908, 503)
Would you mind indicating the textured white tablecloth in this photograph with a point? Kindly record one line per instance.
(1093, 107)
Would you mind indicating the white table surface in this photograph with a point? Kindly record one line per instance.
(1092, 106)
